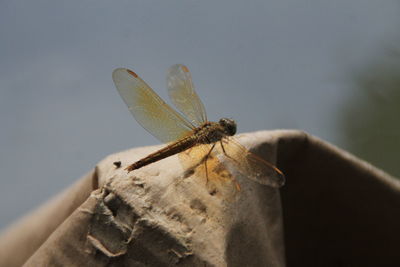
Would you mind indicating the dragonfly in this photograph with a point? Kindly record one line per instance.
(204, 147)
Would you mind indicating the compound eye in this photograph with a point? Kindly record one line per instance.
(228, 125)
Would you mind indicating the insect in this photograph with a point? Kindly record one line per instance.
(203, 146)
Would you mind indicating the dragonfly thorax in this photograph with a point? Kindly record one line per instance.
(211, 132)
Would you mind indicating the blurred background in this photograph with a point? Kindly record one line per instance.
(330, 68)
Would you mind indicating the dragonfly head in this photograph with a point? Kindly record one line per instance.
(228, 125)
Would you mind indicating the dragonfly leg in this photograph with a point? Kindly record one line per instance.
(205, 161)
(238, 188)
(226, 154)
(223, 150)
(222, 146)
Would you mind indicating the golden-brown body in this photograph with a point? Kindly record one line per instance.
(209, 132)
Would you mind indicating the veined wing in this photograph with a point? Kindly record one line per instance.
(203, 162)
(156, 116)
(250, 165)
(182, 94)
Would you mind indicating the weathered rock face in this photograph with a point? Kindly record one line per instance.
(163, 215)
(336, 209)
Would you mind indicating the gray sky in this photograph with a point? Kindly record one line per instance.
(267, 64)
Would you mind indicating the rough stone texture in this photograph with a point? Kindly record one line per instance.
(161, 213)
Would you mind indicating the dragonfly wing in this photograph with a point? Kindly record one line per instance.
(182, 94)
(203, 162)
(250, 165)
(156, 116)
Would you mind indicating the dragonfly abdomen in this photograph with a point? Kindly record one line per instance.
(164, 152)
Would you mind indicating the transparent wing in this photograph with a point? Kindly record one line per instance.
(210, 170)
(250, 165)
(156, 116)
(182, 94)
